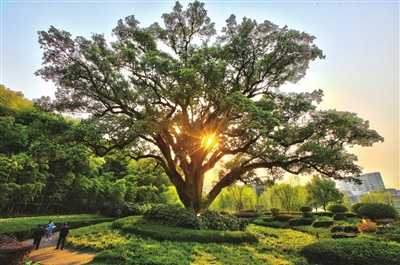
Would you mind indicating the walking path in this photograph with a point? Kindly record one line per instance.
(48, 255)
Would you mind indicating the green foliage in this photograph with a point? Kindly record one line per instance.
(339, 216)
(236, 198)
(337, 208)
(377, 197)
(376, 211)
(285, 196)
(322, 191)
(352, 252)
(391, 232)
(305, 209)
(283, 217)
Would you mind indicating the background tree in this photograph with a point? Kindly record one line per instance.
(200, 98)
(322, 191)
(236, 198)
(377, 197)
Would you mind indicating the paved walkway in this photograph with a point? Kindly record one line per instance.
(48, 255)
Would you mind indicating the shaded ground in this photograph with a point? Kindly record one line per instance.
(48, 255)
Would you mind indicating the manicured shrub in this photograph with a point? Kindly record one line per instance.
(367, 226)
(376, 211)
(217, 221)
(350, 215)
(283, 217)
(339, 216)
(275, 211)
(322, 223)
(164, 232)
(352, 252)
(337, 208)
(173, 215)
(275, 224)
(391, 232)
(301, 221)
(328, 214)
(344, 229)
(354, 207)
(247, 214)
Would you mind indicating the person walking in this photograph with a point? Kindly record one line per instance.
(49, 229)
(37, 236)
(64, 230)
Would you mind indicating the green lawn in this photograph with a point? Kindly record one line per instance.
(21, 226)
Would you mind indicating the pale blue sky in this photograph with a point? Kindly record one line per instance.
(359, 38)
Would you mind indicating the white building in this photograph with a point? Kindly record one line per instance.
(369, 182)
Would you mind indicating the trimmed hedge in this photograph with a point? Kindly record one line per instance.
(352, 252)
(301, 221)
(328, 214)
(162, 232)
(283, 217)
(181, 217)
(322, 223)
(376, 211)
(269, 223)
(339, 216)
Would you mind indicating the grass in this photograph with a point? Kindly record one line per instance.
(22, 226)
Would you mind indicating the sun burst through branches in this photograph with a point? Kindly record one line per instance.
(209, 141)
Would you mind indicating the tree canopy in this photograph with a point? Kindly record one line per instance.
(191, 99)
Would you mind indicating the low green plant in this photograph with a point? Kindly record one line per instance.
(337, 208)
(357, 251)
(283, 217)
(322, 223)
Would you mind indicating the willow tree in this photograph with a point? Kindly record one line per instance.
(189, 98)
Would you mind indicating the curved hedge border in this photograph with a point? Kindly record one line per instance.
(138, 226)
(358, 251)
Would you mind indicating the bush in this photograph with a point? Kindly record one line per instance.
(328, 214)
(173, 215)
(376, 211)
(306, 209)
(337, 208)
(354, 207)
(344, 229)
(390, 233)
(322, 223)
(339, 217)
(181, 217)
(301, 221)
(352, 252)
(367, 226)
(217, 221)
(283, 217)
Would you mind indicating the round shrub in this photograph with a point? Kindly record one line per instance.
(339, 216)
(301, 221)
(247, 214)
(352, 252)
(337, 208)
(376, 211)
(322, 223)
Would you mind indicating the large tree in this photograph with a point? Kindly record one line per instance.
(190, 98)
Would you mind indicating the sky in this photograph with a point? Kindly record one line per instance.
(359, 38)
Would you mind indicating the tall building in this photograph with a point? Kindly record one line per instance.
(369, 182)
